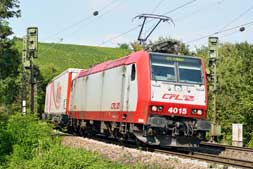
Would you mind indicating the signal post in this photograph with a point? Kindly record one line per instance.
(30, 51)
(212, 63)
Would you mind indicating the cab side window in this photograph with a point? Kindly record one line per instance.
(133, 72)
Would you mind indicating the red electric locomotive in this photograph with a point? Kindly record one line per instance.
(156, 98)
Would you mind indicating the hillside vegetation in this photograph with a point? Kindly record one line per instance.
(62, 56)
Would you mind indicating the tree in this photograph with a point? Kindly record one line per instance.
(234, 89)
(123, 45)
(9, 63)
(136, 46)
(9, 9)
(9, 56)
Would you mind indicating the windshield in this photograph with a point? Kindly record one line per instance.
(177, 69)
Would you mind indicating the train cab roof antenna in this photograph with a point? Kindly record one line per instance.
(160, 18)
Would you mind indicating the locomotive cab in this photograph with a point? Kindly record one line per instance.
(178, 101)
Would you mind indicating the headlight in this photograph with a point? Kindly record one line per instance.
(194, 111)
(154, 108)
(199, 112)
(160, 108)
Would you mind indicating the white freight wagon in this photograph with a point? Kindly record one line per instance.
(58, 91)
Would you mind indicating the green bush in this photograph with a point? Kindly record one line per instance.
(26, 142)
(27, 135)
(5, 145)
(250, 144)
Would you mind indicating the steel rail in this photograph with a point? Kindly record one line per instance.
(228, 147)
(211, 158)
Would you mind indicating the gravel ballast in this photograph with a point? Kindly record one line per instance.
(133, 156)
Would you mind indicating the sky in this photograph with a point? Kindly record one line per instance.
(73, 22)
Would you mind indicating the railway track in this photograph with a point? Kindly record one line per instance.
(227, 147)
(228, 151)
(212, 158)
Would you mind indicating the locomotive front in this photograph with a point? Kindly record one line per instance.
(178, 101)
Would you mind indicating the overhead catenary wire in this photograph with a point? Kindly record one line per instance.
(202, 37)
(80, 54)
(120, 35)
(205, 8)
(157, 6)
(100, 16)
(154, 9)
(229, 34)
(81, 21)
(90, 16)
(242, 29)
(237, 17)
(50, 47)
(196, 11)
(136, 27)
(183, 5)
(220, 32)
(108, 5)
(179, 7)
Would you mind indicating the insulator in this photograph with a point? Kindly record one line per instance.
(242, 29)
(95, 13)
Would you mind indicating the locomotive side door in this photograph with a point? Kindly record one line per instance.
(130, 88)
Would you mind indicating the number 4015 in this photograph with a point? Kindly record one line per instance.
(175, 110)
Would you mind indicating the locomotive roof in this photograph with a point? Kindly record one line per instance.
(132, 58)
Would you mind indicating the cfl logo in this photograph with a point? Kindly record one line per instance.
(178, 97)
